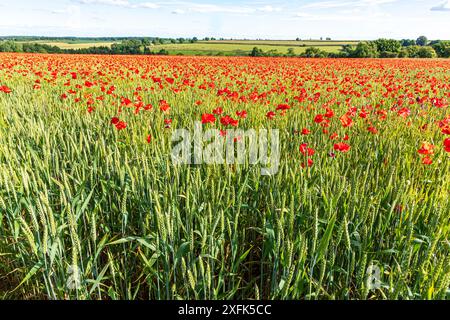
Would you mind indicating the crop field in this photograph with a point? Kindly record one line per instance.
(73, 44)
(93, 206)
(223, 47)
(246, 46)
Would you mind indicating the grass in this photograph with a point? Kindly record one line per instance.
(73, 44)
(218, 47)
(76, 192)
(233, 48)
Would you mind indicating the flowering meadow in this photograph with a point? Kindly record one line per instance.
(92, 206)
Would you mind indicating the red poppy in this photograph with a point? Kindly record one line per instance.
(426, 149)
(346, 121)
(208, 118)
(310, 163)
(427, 160)
(342, 147)
(149, 138)
(115, 120)
(446, 130)
(241, 114)
(5, 89)
(305, 132)
(447, 145)
(283, 107)
(404, 113)
(305, 150)
(318, 118)
(121, 125)
(270, 115)
(372, 130)
(218, 111)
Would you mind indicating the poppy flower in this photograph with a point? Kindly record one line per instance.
(305, 150)
(426, 149)
(404, 112)
(121, 125)
(447, 145)
(372, 130)
(218, 111)
(310, 163)
(305, 132)
(241, 114)
(5, 89)
(164, 106)
(446, 130)
(115, 120)
(149, 138)
(346, 121)
(427, 160)
(283, 107)
(270, 115)
(318, 118)
(208, 118)
(342, 147)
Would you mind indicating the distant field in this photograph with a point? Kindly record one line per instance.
(307, 43)
(233, 47)
(74, 44)
(225, 47)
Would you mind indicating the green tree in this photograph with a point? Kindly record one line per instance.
(388, 46)
(422, 41)
(442, 49)
(426, 52)
(365, 50)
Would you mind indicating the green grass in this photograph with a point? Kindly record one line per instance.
(73, 44)
(225, 47)
(238, 47)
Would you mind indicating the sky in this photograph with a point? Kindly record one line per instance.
(260, 19)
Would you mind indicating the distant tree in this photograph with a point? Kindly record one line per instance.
(347, 50)
(426, 52)
(298, 39)
(313, 52)
(422, 41)
(365, 50)
(388, 45)
(408, 42)
(442, 48)
(409, 52)
(291, 52)
(256, 52)
(328, 39)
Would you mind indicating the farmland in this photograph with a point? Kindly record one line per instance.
(93, 207)
(217, 47)
(236, 47)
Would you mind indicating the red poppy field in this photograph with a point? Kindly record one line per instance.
(92, 207)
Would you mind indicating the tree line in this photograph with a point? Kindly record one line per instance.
(130, 46)
(381, 48)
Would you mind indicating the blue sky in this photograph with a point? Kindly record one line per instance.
(275, 19)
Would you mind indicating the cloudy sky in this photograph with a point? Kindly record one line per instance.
(275, 19)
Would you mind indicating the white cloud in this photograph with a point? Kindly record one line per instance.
(213, 8)
(444, 6)
(121, 3)
(269, 8)
(340, 4)
(118, 3)
(178, 11)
